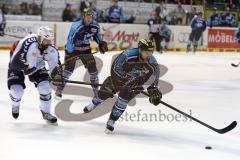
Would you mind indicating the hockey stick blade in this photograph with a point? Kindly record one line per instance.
(227, 129)
(235, 65)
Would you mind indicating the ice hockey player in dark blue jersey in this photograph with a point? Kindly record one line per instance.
(129, 71)
(214, 19)
(237, 34)
(78, 44)
(115, 13)
(198, 26)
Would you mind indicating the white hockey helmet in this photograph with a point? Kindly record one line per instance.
(45, 32)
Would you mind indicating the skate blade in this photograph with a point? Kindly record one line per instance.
(52, 124)
(15, 117)
(107, 131)
(58, 98)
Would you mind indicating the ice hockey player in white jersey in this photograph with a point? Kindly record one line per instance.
(27, 58)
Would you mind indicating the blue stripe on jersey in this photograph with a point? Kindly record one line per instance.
(131, 53)
(97, 35)
(76, 26)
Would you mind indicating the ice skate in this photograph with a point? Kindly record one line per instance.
(49, 118)
(15, 112)
(110, 126)
(89, 107)
(58, 94)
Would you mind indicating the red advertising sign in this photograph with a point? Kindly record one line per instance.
(221, 38)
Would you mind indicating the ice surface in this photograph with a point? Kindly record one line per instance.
(204, 83)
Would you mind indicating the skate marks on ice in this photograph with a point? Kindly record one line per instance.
(62, 108)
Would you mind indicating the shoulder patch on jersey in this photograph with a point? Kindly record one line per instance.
(94, 30)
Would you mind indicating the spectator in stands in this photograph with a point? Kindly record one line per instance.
(24, 8)
(161, 11)
(96, 12)
(191, 14)
(76, 15)
(228, 19)
(232, 4)
(179, 13)
(4, 9)
(154, 30)
(2, 23)
(35, 10)
(102, 17)
(67, 14)
(17, 10)
(214, 19)
(115, 13)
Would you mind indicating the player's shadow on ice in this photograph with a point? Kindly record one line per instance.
(40, 131)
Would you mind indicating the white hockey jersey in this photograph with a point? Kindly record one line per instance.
(28, 54)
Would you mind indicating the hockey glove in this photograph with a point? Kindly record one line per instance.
(155, 95)
(29, 71)
(103, 47)
(56, 77)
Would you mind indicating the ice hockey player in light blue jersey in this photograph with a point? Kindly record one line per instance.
(165, 35)
(78, 45)
(198, 26)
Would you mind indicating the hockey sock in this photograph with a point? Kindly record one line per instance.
(44, 90)
(118, 108)
(16, 93)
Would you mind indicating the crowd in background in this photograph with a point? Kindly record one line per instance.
(177, 16)
(180, 16)
(30, 8)
(102, 16)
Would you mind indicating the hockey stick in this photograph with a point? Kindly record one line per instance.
(220, 131)
(84, 83)
(14, 36)
(77, 57)
(100, 85)
(235, 65)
